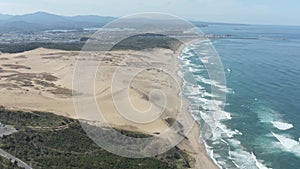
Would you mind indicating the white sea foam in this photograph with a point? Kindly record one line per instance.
(268, 115)
(288, 144)
(221, 115)
(213, 115)
(204, 80)
(180, 74)
(186, 62)
(212, 107)
(257, 163)
(206, 94)
(211, 154)
(234, 142)
(242, 158)
(246, 160)
(222, 140)
(282, 125)
(213, 83)
(212, 112)
(219, 130)
(204, 60)
(196, 66)
(238, 132)
(194, 90)
(195, 70)
(204, 52)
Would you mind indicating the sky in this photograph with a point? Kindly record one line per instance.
(269, 12)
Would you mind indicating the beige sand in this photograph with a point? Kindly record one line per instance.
(41, 80)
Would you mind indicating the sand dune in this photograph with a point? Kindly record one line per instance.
(41, 80)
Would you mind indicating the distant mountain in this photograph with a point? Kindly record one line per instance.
(38, 17)
(41, 21)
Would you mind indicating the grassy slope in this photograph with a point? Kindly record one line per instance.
(51, 141)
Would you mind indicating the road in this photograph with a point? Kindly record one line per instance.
(7, 130)
(20, 163)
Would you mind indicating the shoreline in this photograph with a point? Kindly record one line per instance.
(203, 159)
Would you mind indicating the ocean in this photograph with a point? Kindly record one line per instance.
(261, 124)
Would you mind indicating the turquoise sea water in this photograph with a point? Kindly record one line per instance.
(261, 124)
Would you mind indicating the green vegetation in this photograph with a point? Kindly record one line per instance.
(23, 120)
(133, 134)
(45, 140)
(6, 163)
(137, 42)
(21, 47)
(148, 41)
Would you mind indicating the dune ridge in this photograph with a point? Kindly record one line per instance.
(41, 80)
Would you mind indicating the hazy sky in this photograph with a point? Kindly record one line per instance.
(283, 12)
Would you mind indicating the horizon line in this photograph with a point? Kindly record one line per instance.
(191, 20)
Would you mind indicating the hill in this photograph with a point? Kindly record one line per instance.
(41, 21)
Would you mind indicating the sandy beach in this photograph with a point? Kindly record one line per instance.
(41, 80)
